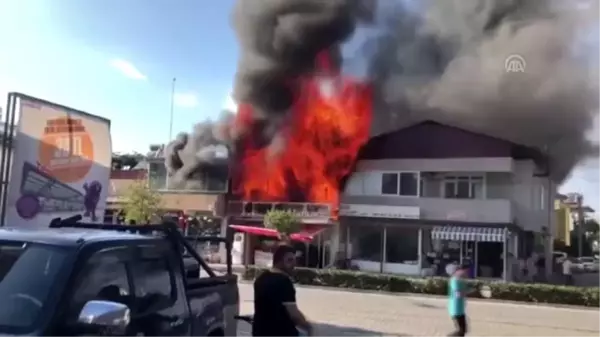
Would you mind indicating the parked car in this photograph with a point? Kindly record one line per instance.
(587, 264)
(89, 279)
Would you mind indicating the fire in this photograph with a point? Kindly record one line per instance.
(330, 121)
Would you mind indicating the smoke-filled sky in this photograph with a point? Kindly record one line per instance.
(445, 60)
(430, 59)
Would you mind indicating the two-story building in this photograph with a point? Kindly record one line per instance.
(198, 202)
(566, 209)
(434, 188)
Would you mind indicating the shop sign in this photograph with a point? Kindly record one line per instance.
(379, 211)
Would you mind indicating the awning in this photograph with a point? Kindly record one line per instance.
(256, 230)
(481, 234)
(306, 235)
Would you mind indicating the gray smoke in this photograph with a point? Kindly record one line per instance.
(198, 161)
(445, 60)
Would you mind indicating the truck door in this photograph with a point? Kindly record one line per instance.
(161, 307)
(101, 277)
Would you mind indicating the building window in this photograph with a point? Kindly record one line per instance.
(389, 183)
(400, 183)
(366, 242)
(402, 245)
(463, 187)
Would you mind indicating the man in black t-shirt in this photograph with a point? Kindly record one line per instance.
(275, 309)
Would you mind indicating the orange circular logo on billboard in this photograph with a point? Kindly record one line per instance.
(66, 151)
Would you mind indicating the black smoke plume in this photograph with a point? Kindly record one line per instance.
(445, 60)
(279, 41)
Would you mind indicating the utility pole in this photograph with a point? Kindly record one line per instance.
(170, 125)
(172, 109)
(580, 224)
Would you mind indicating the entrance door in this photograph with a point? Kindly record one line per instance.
(469, 255)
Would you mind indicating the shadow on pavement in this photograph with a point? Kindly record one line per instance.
(323, 329)
(427, 305)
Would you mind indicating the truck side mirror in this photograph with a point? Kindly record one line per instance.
(105, 315)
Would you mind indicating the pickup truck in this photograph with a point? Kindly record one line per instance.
(77, 279)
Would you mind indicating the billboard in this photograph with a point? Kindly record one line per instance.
(60, 167)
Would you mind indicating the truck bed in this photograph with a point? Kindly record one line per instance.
(213, 300)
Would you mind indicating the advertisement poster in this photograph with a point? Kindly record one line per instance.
(60, 167)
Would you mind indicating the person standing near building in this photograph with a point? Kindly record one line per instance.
(567, 270)
(457, 293)
(275, 309)
(532, 270)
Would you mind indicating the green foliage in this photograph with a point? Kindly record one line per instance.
(284, 221)
(587, 246)
(521, 292)
(141, 203)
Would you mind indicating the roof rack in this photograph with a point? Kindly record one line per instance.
(168, 228)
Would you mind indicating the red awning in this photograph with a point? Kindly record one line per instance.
(306, 235)
(256, 230)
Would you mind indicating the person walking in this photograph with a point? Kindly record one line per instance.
(275, 309)
(567, 271)
(457, 293)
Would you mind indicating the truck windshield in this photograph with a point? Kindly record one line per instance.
(27, 275)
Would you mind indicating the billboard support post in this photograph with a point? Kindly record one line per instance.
(7, 152)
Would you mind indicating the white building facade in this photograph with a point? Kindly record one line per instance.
(430, 194)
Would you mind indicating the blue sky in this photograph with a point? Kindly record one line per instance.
(117, 59)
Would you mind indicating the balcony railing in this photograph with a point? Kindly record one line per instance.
(306, 211)
(208, 187)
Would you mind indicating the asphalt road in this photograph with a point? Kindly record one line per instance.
(337, 312)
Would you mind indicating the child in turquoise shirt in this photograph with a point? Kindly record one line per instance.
(457, 292)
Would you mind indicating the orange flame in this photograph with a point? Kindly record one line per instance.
(328, 126)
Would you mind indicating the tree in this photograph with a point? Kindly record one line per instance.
(591, 227)
(586, 248)
(141, 203)
(284, 221)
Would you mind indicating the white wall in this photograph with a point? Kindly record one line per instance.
(530, 198)
(528, 195)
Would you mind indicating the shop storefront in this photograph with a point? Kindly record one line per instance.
(254, 243)
(487, 249)
(393, 239)
(383, 239)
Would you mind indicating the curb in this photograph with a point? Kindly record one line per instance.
(440, 297)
